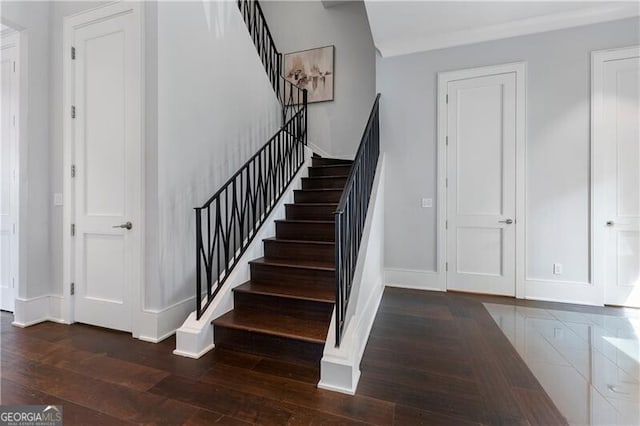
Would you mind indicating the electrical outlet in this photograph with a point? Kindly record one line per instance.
(557, 268)
(57, 199)
(427, 202)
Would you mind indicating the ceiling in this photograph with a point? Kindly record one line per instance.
(402, 27)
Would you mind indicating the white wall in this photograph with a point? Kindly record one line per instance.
(207, 109)
(33, 20)
(557, 158)
(215, 107)
(335, 127)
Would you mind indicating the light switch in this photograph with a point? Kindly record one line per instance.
(557, 268)
(427, 202)
(57, 199)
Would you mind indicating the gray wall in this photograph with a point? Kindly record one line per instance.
(32, 18)
(557, 157)
(203, 120)
(336, 127)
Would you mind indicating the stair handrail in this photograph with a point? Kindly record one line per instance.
(229, 220)
(351, 214)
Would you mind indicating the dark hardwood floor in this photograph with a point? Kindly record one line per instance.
(432, 358)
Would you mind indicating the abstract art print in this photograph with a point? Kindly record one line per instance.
(312, 70)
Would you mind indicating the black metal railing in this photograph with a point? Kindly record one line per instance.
(265, 46)
(351, 214)
(227, 223)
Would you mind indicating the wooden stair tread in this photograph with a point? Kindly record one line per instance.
(327, 177)
(275, 324)
(318, 189)
(290, 263)
(312, 293)
(284, 240)
(312, 204)
(326, 166)
(308, 221)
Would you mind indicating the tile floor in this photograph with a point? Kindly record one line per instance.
(589, 364)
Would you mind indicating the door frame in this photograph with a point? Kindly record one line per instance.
(520, 69)
(598, 232)
(137, 292)
(8, 39)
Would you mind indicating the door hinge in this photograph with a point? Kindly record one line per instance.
(446, 266)
(446, 224)
(73, 289)
(446, 139)
(73, 111)
(14, 66)
(447, 98)
(14, 229)
(446, 182)
(13, 282)
(73, 53)
(73, 229)
(73, 170)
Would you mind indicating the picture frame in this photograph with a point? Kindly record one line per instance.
(312, 69)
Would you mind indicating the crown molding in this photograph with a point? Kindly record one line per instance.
(516, 28)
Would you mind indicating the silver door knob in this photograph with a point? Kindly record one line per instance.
(610, 223)
(127, 225)
(508, 221)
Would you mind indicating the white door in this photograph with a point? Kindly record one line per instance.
(107, 160)
(8, 174)
(617, 176)
(481, 184)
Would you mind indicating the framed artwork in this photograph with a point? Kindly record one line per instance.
(312, 70)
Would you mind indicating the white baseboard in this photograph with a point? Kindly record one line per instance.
(321, 152)
(159, 324)
(414, 279)
(28, 312)
(579, 293)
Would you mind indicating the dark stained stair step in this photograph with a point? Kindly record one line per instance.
(271, 334)
(300, 301)
(329, 162)
(323, 251)
(311, 211)
(317, 195)
(308, 230)
(275, 324)
(288, 272)
(331, 170)
(324, 182)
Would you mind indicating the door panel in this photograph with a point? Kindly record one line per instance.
(107, 142)
(481, 184)
(620, 162)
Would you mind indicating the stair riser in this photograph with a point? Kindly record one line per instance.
(329, 162)
(324, 183)
(303, 212)
(317, 197)
(299, 251)
(343, 170)
(304, 309)
(291, 276)
(305, 231)
(267, 345)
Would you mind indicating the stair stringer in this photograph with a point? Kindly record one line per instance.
(195, 337)
(340, 367)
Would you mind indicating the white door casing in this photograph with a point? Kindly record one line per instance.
(481, 184)
(481, 116)
(105, 153)
(616, 174)
(9, 172)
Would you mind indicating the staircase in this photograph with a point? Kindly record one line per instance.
(284, 311)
